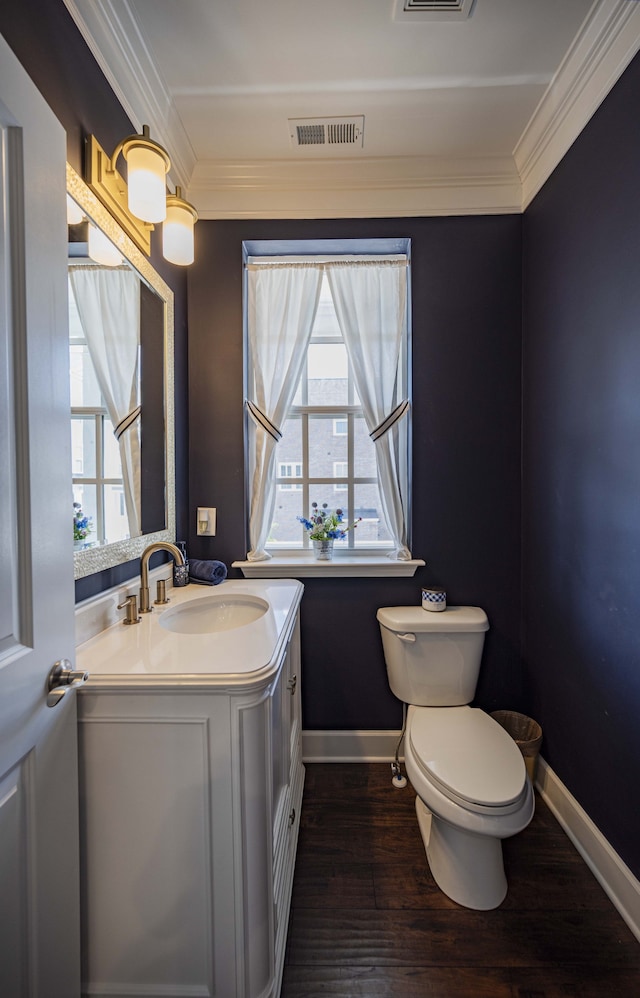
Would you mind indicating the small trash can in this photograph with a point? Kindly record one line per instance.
(526, 733)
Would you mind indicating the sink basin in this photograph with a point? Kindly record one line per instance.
(212, 614)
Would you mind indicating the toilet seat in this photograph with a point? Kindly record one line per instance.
(468, 757)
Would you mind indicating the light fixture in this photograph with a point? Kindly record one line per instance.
(75, 214)
(147, 166)
(101, 249)
(142, 201)
(177, 231)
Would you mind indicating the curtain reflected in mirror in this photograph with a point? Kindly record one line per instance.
(120, 341)
(104, 347)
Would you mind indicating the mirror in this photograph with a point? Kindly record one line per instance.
(124, 482)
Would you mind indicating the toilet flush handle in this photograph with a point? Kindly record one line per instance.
(407, 637)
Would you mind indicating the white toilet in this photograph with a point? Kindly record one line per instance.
(469, 775)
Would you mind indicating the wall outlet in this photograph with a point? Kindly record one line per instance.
(206, 521)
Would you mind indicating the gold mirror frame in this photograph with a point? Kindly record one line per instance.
(88, 561)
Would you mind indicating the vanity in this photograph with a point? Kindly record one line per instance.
(191, 783)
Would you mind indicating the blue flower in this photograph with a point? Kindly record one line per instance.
(325, 524)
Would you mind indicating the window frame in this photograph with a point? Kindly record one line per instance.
(374, 555)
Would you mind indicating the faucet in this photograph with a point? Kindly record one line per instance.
(178, 557)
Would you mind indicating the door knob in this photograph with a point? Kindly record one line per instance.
(61, 678)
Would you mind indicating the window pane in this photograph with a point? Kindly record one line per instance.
(83, 447)
(372, 529)
(326, 322)
(324, 447)
(285, 528)
(84, 385)
(86, 495)
(112, 460)
(327, 374)
(340, 470)
(289, 449)
(364, 451)
(325, 493)
(115, 513)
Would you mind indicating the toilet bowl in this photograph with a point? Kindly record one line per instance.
(469, 775)
(472, 791)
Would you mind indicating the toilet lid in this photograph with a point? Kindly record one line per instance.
(467, 754)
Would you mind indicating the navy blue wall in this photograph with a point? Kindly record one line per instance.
(581, 486)
(45, 39)
(466, 276)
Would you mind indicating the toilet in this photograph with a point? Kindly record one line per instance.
(469, 775)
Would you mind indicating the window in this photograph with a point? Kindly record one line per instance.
(308, 363)
(340, 470)
(288, 471)
(96, 463)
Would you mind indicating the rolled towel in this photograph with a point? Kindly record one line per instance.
(207, 573)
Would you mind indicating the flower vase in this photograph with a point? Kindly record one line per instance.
(323, 550)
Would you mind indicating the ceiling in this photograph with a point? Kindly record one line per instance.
(467, 114)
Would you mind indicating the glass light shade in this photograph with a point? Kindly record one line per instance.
(177, 233)
(146, 172)
(74, 212)
(101, 250)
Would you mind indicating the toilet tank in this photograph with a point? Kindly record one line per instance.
(433, 659)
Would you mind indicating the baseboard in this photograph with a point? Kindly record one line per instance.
(614, 876)
(349, 746)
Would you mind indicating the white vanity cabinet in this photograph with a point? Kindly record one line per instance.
(191, 790)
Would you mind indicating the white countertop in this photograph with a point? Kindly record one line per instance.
(147, 655)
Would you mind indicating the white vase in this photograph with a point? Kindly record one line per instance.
(323, 550)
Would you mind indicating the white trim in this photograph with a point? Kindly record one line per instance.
(601, 51)
(113, 35)
(305, 566)
(612, 874)
(411, 186)
(349, 746)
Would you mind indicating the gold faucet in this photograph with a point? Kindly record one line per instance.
(178, 557)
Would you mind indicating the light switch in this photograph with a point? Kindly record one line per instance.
(206, 521)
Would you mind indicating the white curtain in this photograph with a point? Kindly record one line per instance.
(370, 300)
(283, 301)
(108, 303)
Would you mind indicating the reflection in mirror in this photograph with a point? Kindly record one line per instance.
(104, 347)
(121, 372)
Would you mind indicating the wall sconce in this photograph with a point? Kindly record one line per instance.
(100, 249)
(141, 201)
(177, 231)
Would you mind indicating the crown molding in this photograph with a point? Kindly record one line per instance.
(601, 51)
(113, 35)
(606, 43)
(366, 188)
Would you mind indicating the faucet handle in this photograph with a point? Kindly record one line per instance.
(131, 603)
(161, 591)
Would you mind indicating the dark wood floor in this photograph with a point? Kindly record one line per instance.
(367, 920)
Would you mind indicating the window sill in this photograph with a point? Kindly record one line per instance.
(305, 566)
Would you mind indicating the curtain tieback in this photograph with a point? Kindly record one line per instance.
(261, 420)
(390, 420)
(126, 422)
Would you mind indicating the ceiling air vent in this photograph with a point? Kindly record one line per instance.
(432, 10)
(327, 131)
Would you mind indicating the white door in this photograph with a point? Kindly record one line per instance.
(39, 882)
